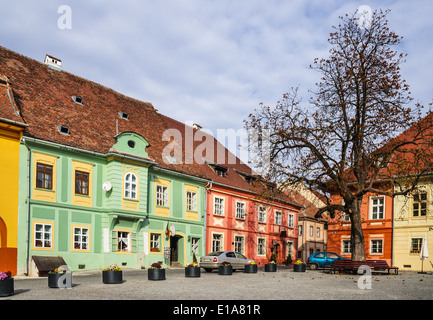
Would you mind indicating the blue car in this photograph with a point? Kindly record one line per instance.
(322, 259)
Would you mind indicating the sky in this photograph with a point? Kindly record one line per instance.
(210, 62)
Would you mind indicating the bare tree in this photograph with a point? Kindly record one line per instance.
(357, 133)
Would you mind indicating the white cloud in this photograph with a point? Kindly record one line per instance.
(206, 61)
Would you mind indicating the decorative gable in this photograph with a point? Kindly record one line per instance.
(131, 143)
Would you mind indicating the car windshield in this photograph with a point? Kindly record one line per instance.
(217, 253)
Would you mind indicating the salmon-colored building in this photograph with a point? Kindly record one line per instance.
(239, 217)
(376, 216)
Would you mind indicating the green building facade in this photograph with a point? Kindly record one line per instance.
(95, 209)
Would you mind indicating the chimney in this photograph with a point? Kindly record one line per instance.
(53, 62)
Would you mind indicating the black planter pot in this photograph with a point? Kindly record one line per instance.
(271, 267)
(112, 277)
(156, 274)
(60, 280)
(299, 267)
(6, 287)
(225, 270)
(250, 268)
(192, 272)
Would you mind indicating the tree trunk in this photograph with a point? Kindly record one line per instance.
(357, 235)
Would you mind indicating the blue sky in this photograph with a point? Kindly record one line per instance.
(206, 61)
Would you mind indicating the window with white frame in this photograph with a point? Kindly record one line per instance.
(345, 246)
(155, 242)
(123, 241)
(377, 205)
(161, 196)
(278, 217)
(240, 210)
(345, 217)
(43, 235)
(191, 201)
(262, 214)
(130, 186)
(311, 231)
(218, 208)
(376, 246)
(81, 238)
(318, 232)
(217, 242)
(261, 246)
(239, 244)
(291, 220)
(299, 230)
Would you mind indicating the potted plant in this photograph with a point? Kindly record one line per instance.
(112, 274)
(250, 267)
(6, 284)
(271, 266)
(299, 266)
(225, 268)
(60, 278)
(192, 270)
(156, 272)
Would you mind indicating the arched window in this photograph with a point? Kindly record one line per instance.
(130, 186)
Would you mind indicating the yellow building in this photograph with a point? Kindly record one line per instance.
(10, 136)
(413, 222)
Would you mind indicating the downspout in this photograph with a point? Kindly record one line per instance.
(28, 206)
(207, 188)
(392, 231)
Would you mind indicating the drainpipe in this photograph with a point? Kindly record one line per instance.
(207, 188)
(28, 206)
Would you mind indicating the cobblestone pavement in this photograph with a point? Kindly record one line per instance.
(238, 288)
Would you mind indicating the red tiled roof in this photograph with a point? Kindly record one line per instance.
(44, 98)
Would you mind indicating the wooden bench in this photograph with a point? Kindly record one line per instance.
(352, 266)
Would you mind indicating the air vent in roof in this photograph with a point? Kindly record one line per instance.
(77, 99)
(123, 115)
(63, 130)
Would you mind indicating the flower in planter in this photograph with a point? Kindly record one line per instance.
(5, 275)
(250, 262)
(193, 264)
(112, 267)
(155, 265)
(271, 262)
(299, 262)
(226, 263)
(60, 270)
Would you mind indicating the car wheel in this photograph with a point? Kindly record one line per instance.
(208, 269)
(313, 266)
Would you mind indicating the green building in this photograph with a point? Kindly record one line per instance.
(95, 184)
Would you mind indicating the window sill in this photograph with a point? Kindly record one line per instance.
(43, 189)
(130, 199)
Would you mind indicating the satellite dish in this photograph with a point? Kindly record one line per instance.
(107, 186)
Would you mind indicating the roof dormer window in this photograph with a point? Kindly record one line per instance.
(78, 99)
(63, 130)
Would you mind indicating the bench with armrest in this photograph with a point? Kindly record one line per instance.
(351, 265)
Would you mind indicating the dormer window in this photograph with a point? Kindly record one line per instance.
(78, 99)
(124, 115)
(63, 130)
(218, 169)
